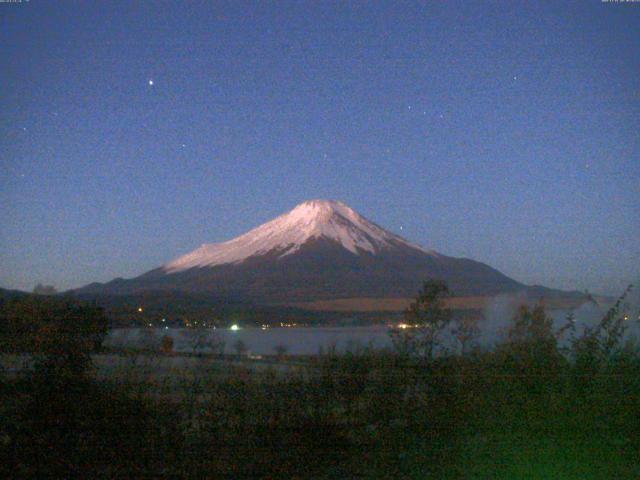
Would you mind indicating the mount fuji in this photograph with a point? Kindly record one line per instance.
(320, 250)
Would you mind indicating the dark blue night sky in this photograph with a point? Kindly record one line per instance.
(507, 132)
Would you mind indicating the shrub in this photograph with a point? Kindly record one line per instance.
(240, 347)
(201, 339)
(45, 324)
(426, 318)
(281, 351)
(466, 331)
(167, 345)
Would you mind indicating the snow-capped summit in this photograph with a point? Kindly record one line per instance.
(313, 219)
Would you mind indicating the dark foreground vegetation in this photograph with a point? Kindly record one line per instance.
(528, 409)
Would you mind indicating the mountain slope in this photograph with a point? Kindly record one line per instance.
(5, 293)
(319, 250)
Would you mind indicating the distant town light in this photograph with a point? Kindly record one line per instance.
(140, 309)
(235, 327)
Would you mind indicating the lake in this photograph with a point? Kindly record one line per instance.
(310, 340)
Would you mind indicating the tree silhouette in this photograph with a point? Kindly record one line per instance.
(240, 347)
(467, 331)
(425, 319)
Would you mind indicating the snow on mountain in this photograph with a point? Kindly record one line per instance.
(320, 250)
(287, 233)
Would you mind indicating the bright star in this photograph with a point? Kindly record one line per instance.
(151, 82)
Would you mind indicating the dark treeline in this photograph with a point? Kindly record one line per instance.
(528, 409)
(181, 309)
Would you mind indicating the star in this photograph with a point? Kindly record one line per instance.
(151, 83)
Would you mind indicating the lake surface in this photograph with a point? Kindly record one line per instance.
(297, 340)
(311, 340)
